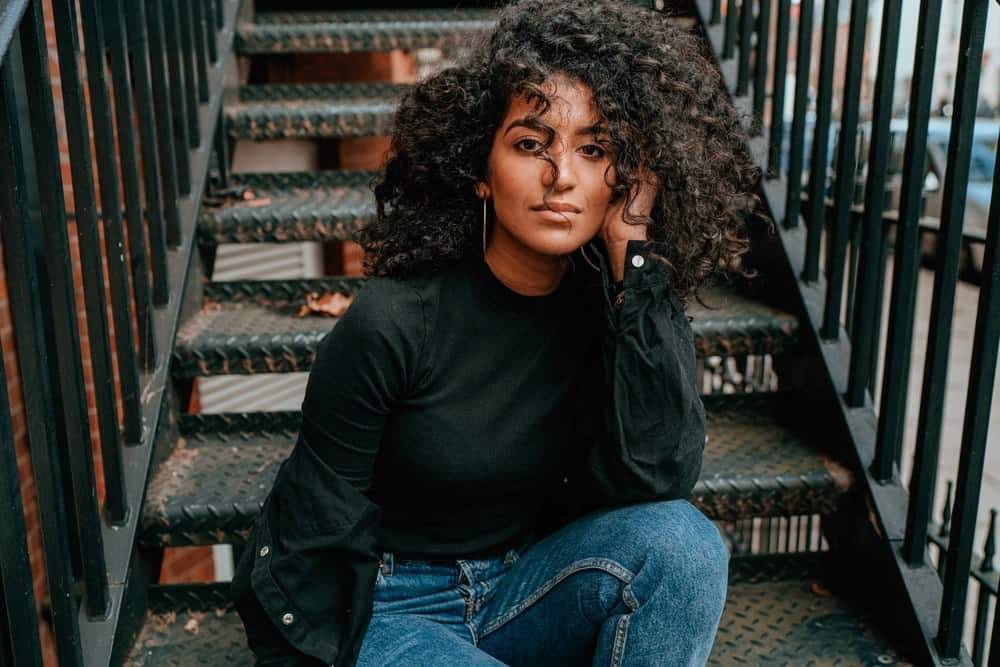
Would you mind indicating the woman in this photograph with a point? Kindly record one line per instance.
(499, 435)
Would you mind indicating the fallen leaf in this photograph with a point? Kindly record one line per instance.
(331, 304)
(821, 590)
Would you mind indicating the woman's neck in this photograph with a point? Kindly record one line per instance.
(521, 269)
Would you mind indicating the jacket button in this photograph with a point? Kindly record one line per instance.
(264, 551)
(287, 619)
(638, 261)
(565, 480)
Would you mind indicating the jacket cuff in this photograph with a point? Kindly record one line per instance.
(646, 281)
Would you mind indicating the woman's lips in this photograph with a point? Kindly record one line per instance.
(556, 216)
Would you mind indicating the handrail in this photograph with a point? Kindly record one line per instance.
(151, 172)
(848, 350)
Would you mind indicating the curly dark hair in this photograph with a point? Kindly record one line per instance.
(659, 97)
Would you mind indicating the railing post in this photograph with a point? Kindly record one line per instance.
(746, 36)
(24, 290)
(803, 59)
(906, 264)
(863, 339)
(986, 337)
(777, 135)
(821, 135)
(760, 65)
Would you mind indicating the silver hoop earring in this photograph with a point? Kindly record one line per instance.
(587, 259)
(484, 228)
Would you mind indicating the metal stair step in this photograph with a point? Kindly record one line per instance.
(311, 111)
(289, 207)
(249, 327)
(349, 31)
(794, 609)
(762, 459)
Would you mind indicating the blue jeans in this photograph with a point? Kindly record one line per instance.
(637, 585)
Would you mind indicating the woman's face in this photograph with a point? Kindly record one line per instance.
(519, 181)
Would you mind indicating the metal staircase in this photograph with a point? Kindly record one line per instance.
(832, 552)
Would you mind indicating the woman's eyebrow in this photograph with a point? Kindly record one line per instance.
(529, 123)
(595, 129)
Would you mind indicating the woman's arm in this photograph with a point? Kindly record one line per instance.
(640, 422)
(303, 586)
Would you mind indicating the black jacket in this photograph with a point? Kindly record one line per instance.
(303, 586)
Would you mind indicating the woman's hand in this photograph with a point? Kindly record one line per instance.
(616, 233)
(615, 230)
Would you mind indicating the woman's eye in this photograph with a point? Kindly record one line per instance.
(594, 150)
(535, 145)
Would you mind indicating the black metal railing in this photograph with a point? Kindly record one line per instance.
(834, 209)
(146, 121)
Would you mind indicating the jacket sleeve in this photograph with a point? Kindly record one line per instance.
(303, 586)
(640, 420)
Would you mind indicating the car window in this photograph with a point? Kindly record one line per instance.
(983, 161)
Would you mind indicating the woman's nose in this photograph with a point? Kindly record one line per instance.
(562, 176)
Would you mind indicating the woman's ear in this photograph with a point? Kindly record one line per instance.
(482, 190)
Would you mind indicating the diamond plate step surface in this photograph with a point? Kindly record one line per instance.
(312, 111)
(288, 207)
(348, 31)
(780, 610)
(250, 327)
(759, 461)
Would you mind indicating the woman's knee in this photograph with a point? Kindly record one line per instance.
(681, 542)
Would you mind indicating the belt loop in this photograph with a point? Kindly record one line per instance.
(386, 563)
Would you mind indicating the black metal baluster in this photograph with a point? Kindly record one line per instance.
(864, 336)
(62, 339)
(816, 214)
(760, 65)
(151, 165)
(716, 16)
(803, 59)
(179, 12)
(114, 244)
(114, 32)
(983, 603)
(746, 35)
(884, 252)
(16, 588)
(201, 57)
(844, 187)
(729, 35)
(987, 335)
(90, 257)
(929, 421)
(777, 135)
(222, 150)
(995, 642)
(173, 149)
(854, 225)
(219, 14)
(208, 28)
(944, 531)
(163, 35)
(902, 305)
(24, 291)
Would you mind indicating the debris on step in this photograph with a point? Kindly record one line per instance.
(332, 304)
